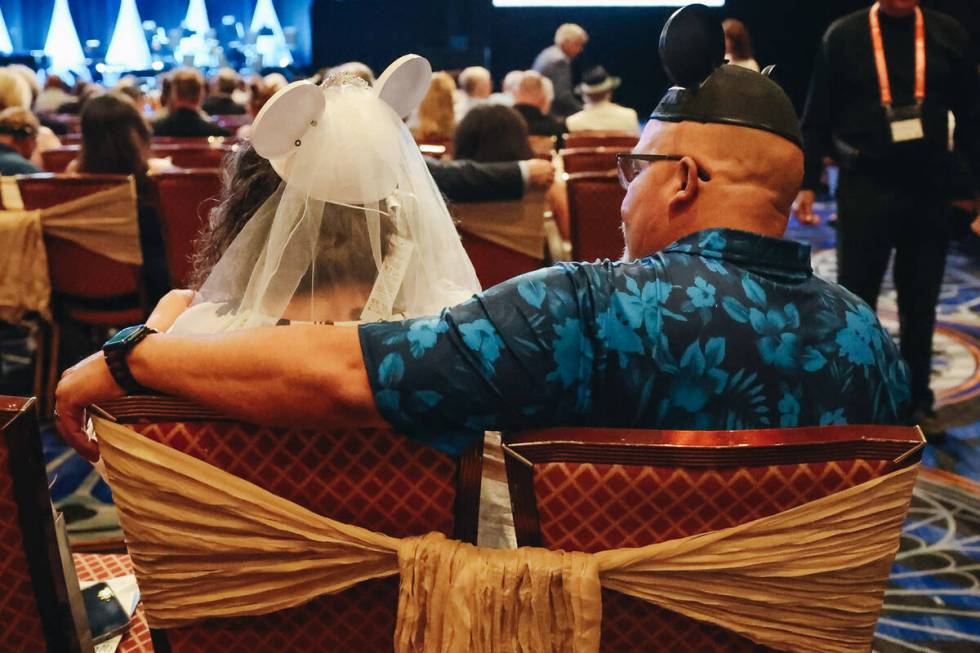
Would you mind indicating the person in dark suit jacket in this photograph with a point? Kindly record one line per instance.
(184, 119)
(220, 102)
(555, 63)
(532, 100)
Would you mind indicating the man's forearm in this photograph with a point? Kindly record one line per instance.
(301, 375)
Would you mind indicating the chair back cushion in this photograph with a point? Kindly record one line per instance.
(86, 285)
(57, 159)
(373, 478)
(594, 200)
(184, 200)
(594, 489)
(600, 139)
(34, 610)
(590, 159)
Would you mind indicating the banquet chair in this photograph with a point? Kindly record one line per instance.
(600, 139)
(594, 489)
(57, 159)
(594, 200)
(86, 287)
(184, 199)
(39, 606)
(590, 159)
(503, 239)
(371, 478)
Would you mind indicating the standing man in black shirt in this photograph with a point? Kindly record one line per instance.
(885, 81)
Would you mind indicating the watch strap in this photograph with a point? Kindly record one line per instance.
(116, 359)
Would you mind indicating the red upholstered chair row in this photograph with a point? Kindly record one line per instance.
(590, 159)
(183, 154)
(594, 200)
(595, 489)
(36, 613)
(600, 139)
(368, 477)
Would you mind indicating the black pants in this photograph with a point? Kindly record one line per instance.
(878, 213)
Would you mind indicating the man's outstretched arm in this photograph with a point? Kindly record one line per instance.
(299, 375)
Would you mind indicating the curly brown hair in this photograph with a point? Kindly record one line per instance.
(248, 180)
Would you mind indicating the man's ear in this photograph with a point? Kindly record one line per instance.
(685, 183)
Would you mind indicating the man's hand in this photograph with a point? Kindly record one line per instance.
(541, 172)
(169, 308)
(803, 207)
(87, 382)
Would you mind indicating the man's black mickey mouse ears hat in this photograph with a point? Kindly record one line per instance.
(707, 90)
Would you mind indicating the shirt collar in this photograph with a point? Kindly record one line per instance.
(754, 252)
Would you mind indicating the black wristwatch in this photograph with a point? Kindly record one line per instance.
(117, 348)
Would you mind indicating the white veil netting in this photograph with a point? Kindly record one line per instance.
(357, 230)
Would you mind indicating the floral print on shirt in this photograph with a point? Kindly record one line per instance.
(723, 329)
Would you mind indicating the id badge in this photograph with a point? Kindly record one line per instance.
(905, 124)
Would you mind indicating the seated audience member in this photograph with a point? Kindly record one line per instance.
(472, 181)
(507, 88)
(116, 140)
(600, 112)
(15, 92)
(711, 320)
(82, 93)
(259, 92)
(30, 77)
(738, 44)
(492, 132)
(532, 99)
(435, 119)
(53, 95)
(362, 201)
(18, 138)
(219, 101)
(183, 117)
(475, 85)
(130, 87)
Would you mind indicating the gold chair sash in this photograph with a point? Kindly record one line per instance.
(104, 222)
(206, 543)
(517, 225)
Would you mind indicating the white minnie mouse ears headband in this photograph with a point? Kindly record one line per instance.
(299, 113)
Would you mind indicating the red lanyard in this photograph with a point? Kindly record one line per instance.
(879, 51)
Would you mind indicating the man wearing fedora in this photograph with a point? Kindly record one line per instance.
(600, 112)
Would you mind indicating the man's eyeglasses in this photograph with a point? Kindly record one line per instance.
(631, 165)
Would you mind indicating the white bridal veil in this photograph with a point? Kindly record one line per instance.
(357, 230)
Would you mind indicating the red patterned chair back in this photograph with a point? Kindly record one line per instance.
(57, 159)
(594, 200)
(193, 156)
(596, 489)
(600, 139)
(184, 200)
(86, 286)
(34, 612)
(369, 477)
(590, 159)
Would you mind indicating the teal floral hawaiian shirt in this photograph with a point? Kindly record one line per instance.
(723, 329)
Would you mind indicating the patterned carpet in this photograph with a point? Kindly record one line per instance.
(933, 601)
(933, 604)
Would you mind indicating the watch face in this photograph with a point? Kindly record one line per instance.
(123, 336)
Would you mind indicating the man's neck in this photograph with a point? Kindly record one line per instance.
(896, 12)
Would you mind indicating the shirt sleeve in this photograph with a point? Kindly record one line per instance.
(516, 356)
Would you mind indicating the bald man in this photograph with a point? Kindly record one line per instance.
(710, 321)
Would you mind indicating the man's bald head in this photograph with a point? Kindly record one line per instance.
(754, 176)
